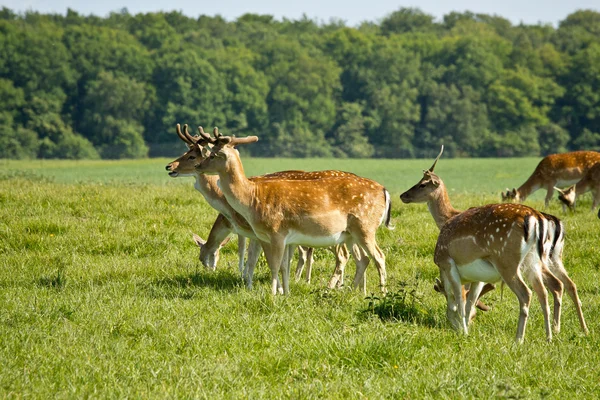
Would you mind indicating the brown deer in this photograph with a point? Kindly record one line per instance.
(431, 190)
(229, 221)
(554, 170)
(589, 182)
(493, 243)
(341, 208)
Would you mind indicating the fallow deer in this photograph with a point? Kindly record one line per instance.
(229, 220)
(431, 190)
(342, 208)
(554, 170)
(493, 243)
(589, 182)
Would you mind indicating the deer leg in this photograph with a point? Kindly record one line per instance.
(556, 289)
(370, 247)
(535, 276)
(301, 261)
(274, 253)
(595, 197)
(305, 255)
(453, 289)
(309, 262)
(516, 284)
(472, 299)
(241, 254)
(549, 194)
(285, 268)
(561, 273)
(341, 259)
(343, 256)
(254, 249)
(362, 261)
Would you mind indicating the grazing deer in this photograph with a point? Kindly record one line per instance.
(341, 208)
(589, 182)
(554, 170)
(492, 243)
(229, 220)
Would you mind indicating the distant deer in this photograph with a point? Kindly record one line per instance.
(554, 170)
(589, 182)
(493, 243)
(340, 208)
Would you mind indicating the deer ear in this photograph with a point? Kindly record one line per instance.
(224, 242)
(198, 240)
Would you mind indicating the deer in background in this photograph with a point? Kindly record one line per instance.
(589, 182)
(341, 208)
(493, 243)
(229, 221)
(554, 170)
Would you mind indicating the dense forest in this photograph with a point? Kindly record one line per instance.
(75, 86)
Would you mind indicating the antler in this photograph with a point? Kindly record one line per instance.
(436, 159)
(192, 139)
(181, 135)
(206, 136)
(232, 140)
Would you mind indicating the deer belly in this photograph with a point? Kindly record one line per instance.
(294, 237)
(478, 271)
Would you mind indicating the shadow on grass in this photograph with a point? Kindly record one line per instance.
(402, 305)
(186, 286)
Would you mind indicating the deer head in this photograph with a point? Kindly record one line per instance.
(510, 196)
(429, 184)
(567, 196)
(209, 256)
(197, 150)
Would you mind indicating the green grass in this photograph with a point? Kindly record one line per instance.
(102, 295)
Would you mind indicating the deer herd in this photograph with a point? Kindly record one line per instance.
(506, 243)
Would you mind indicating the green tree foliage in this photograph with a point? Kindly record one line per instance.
(75, 86)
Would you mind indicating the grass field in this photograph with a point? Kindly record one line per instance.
(102, 295)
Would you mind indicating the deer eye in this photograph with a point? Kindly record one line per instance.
(422, 185)
(192, 158)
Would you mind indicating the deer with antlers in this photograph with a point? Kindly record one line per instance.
(497, 242)
(230, 221)
(554, 170)
(589, 182)
(342, 208)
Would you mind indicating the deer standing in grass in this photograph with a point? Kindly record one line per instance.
(341, 208)
(229, 221)
(492, 243)
(431, 190)
(589, 182)
(554, 170)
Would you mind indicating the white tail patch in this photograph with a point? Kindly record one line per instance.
(387, 211)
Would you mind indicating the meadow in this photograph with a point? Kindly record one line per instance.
(102, 295)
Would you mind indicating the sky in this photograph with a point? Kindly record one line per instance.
(351, 11)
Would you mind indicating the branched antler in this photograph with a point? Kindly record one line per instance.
(223, 140)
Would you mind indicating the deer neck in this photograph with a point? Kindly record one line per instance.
(237, 189)
(208, 185)
(531, 185)
(440, 207)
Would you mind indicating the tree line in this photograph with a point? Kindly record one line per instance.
(75, 86)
